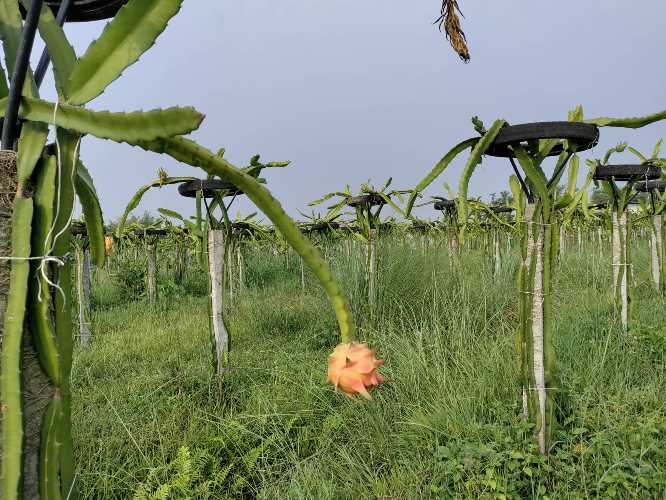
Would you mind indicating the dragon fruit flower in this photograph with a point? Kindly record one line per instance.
(353, 369)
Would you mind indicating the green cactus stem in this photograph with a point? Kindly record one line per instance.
(191, 153)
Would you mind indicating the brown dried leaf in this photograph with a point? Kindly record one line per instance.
(450, 22)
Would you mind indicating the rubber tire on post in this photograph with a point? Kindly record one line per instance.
(242, 230)
(78, 229)
(502, 210)
(82, 11)
(626, 172)
(241, 226)
(422, 227)
(150, 232)
(320, 227)
(646, 187)
(443, 204)
(371, 200)
(189, 189)
(351, 229)
(584, 135)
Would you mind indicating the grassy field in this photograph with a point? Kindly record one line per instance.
(150, 421)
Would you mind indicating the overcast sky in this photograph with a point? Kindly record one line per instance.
(351, 90)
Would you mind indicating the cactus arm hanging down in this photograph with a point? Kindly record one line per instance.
(49, 484)
(11, 26)
(60, 50)
(387, 199)
(518, 197)
(39, 305)
(437, 170)
(535, 176)
(547, 146)
(638, 154)
(63, 57)
(132, 32)
(572, 178)
(85, 190)
(69, 144)
(191, 153)
(580, 197)
(614, 150)
(120, 127)
(136, 199)
(480, 147)
(10, 31)
(10, 377)
(30, 146)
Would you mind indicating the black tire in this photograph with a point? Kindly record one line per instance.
(649, 186)
(242, 230)
(189, 189)
(86, 10)
(79, 229)
(319, 227)
(422, 227)
(371, 200)
(584, 135)
(627, 172)
(502, 210)
(241, 226)
(140, 233)
(444, 205)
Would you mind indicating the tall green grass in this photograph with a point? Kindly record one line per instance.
(150, 422)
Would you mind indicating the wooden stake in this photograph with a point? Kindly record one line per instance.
(83, 293)
(372, 268)
(216, 262)
(151, 276)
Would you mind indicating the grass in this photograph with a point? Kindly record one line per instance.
(150, 422)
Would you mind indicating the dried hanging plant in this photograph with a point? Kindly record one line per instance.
(450, 21)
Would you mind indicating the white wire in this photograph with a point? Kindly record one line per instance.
(50, 240)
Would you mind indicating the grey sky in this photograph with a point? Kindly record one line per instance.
(352, 90)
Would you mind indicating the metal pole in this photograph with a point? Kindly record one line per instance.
(18, 75)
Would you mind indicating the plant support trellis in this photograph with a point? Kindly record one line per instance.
(537, 202)
(655, 209)
(621, 236)
(218, 239)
